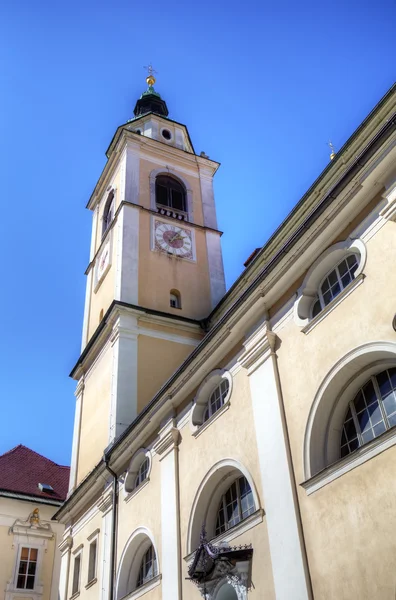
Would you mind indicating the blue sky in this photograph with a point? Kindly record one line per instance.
(262, 88)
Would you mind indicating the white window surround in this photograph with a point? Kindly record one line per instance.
(91, 539)
(137, 460)
(129, 565)
(167, 141)
(322, 462)
(78, 552)
(173, 173)
(11, 589)
(326, 262)
(202, 397)
(207, 498)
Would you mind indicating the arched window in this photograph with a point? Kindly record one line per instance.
(143, 472)
(138, 470)
(170, 192)
(216, 399)
(148, 567)
(108, 212)
(175, 299)
(372, 411)
(235, 505)
(335, 281)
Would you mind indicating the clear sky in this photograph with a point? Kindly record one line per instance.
(262, 87)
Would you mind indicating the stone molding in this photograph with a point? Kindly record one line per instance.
(105, 503)
(258, 348)
(169, 437)
(389, 211)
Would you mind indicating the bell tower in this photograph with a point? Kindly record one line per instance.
(155, 272)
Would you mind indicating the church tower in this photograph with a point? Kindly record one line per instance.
(155, 272)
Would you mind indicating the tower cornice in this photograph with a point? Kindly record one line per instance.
(156, 148)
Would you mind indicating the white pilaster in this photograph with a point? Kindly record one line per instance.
(132, 173)
(216, 268)
(127, 275)
(124, 375)
(207, 194)
(105, 506)
(283, 522)
(167, 449)
(389, 211)
(65, 549)
(79, 394)
(88, 287)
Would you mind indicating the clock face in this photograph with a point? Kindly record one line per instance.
(173, 239)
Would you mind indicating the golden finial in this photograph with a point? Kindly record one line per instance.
(150, 78)
(333, 152)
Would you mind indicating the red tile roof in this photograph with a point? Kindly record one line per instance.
(22, 469)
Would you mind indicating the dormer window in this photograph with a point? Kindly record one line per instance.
(108, 213)
(170, 192)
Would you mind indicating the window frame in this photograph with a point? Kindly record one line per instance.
(168, 178)
(142, 580)
(222, 506)
(209, 412)
(137, 460)
(93, 539)
(108, 211)
(139, 479)
(77, 555)
(351, 407)
(29, 547)
(200, 402)
(308, 292)
(319, 298)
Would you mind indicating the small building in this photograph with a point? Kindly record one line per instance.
(32, 488)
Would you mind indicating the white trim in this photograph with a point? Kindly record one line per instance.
(143, 589)
(346, 464)
(136, 490)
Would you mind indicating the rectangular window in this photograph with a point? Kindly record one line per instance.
(92, 561)
(27, 568)
(76, 574)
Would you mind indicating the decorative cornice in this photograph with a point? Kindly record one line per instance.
(169, 437)
(105, 502)
(66, 544)
(80, 387)
(258, 348)
(389, 211)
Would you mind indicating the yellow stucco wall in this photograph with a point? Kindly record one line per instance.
(95, 414)
(159, 273)
(347, 523)
(157, 360)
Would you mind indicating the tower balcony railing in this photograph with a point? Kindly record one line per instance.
(174, 213)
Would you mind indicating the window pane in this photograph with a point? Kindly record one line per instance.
(335, 290)
(30, 582)
(350, 429)
(24, 553)
(343, 268)
(390, 404)
(161, 195)
(22, 567)
(332, 278)
(346, 279)
(368, 435)
(21, 581)
(327, 298)
(384, 383)
(354, 445)
(32, 568)
(392, 420)
(378, 429)
(369, 393)
(316, 308)
(392, 374)
(177, 200)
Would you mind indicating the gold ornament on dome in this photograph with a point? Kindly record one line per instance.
(150, 79)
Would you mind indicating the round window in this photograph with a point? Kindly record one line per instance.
(166, 134)
(138, 131)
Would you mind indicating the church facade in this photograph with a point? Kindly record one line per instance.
(235, 445)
